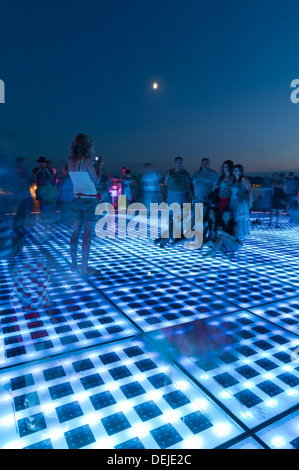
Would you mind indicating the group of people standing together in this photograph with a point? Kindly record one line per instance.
(227, 198)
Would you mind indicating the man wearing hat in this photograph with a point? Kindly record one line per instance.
(42, 176)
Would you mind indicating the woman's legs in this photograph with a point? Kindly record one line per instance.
(279, 212)
(272, 212)
(218, 244)
(78, 225)
(87, 236)
(223, 244)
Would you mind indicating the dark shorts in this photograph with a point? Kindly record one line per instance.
(84, 208)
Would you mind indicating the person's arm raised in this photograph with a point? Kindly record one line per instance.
(95, 174)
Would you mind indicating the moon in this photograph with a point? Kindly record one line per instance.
(155, 85)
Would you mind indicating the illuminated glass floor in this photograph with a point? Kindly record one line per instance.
(164, 350)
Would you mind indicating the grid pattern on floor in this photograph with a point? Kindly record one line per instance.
(284, 434)
(243, 361)
(155, 306)
(203, 393)
(284, 314)
(76, 317)
(122, 396)
(244, 288)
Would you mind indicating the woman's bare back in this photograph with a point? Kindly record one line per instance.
(74, 163)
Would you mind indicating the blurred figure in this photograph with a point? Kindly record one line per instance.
(49, 167)
(241, 202)
(48, 194)
(19, 185)
(11, 240)
(279, 201)
(114, 195)
(65, 197)
(204, 181)
(150, 182)
(294, 213)
(41, 176)
(134, 188)
(126, 186)
(266, 196)
(105, 188)
(291, 188)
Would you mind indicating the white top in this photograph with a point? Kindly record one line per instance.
(82, 182)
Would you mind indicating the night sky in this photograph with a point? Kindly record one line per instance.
(224, 70)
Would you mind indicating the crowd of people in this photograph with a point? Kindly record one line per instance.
(72, 197)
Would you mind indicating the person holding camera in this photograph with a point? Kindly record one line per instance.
(84, 177)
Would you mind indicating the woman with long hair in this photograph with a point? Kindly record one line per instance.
(224, 185)
(226, 240)
(241, 201)
(84, 177)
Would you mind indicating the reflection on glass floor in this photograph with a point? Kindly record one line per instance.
(165, 349)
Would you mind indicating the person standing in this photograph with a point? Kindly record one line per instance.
(49, 166)
(241, 202)
(41, 175)
(48, 194)
(126, 186)
(84, 178)
(291, 188)
(294, 213)
(150, 181)
(19, 185)
(204, 181)
(65, 197)
(224, 185)
(176, 187)
(279, 201)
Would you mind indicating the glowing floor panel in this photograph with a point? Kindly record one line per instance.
(284, 314)
(117, 266)
(284, 434)
(166, 349)
(154, 306)
(243, 361)
(121, 396)
(249, 443)
(76, 316)
(286, 272)
(244, 288)
(76, 321)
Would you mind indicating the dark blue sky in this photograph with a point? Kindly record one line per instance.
(224, 70)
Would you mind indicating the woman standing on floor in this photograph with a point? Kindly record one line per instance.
(224, 185)
(241, 202)
(84, 178)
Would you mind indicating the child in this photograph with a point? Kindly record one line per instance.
(226, 238)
